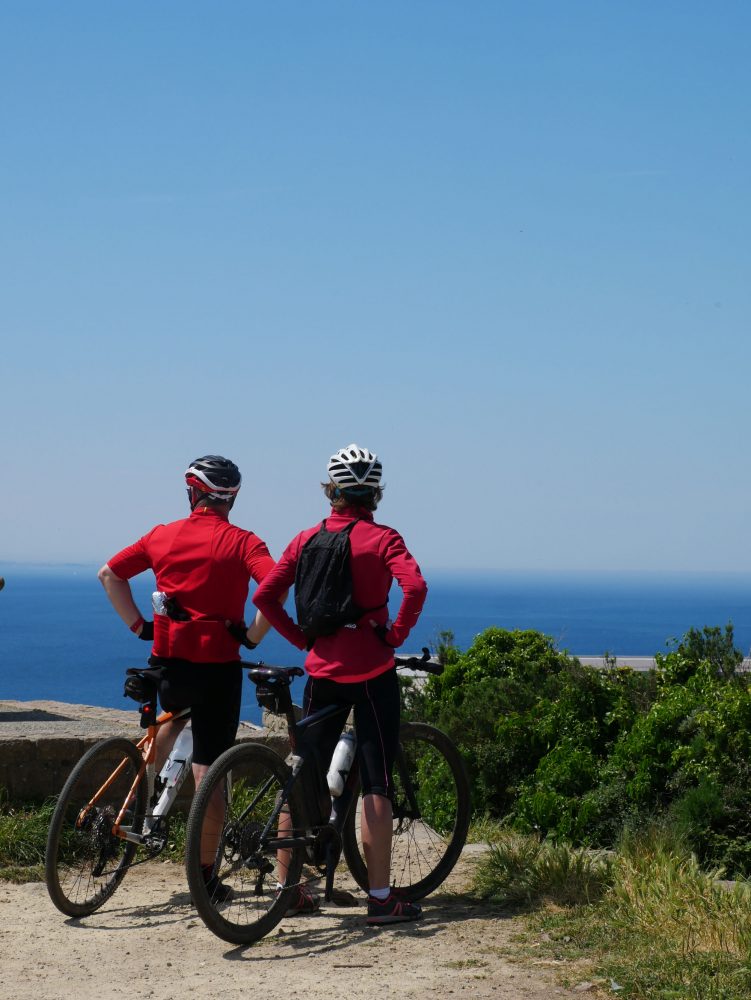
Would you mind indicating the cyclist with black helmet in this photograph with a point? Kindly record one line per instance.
(354, 666)
(203, 566)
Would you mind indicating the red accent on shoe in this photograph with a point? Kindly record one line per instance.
(395, 909)
(303, 902)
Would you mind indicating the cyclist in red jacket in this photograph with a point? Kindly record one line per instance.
(355, 665)
(203, 566)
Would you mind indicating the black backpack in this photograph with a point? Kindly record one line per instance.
(323, 583)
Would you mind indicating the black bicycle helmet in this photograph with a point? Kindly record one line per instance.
(215, 477)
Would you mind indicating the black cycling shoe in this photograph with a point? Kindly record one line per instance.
(395, 909)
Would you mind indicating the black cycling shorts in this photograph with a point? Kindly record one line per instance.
(212, 691)
(377, 708)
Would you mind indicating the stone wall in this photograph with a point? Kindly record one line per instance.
(41, 742)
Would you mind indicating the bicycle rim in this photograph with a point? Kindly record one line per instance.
(248, 779)
(427, 840)
(85, 862)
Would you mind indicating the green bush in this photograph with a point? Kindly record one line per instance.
(534, 724)
(579, 754)
(687, 758)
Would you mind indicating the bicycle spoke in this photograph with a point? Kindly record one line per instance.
(431, 814)
(242, 900)
(85, 860)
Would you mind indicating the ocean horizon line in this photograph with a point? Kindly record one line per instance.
(465, 572)
(80, 653)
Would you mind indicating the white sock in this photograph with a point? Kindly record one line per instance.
(381, 894)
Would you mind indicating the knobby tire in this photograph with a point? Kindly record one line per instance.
(84, 861)
(242, 863)
(425, 847)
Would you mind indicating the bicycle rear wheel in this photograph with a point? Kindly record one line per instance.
(431, 807)
(85, 862)
(242, 902)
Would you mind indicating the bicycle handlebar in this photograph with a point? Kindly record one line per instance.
(423, 663)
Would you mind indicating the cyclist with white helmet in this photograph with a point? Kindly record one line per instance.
(203, 566)
(354, 666)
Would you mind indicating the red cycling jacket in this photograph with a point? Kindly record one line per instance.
(206, 564)
(378, 556)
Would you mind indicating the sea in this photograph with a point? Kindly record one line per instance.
(60, 640)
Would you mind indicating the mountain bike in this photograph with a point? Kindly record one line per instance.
(279, 816)
(112, 804)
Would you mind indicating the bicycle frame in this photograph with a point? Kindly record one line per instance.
(284, 706)
(296, 763)
(321, 834)
(147, 746)
(281, 829)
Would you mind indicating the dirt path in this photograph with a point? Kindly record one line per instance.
(147, 942)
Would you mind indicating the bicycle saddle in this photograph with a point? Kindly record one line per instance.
(274, 675)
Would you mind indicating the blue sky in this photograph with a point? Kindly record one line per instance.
(504, 245)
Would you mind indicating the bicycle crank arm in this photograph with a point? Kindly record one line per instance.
(280, 843)
(128, 833)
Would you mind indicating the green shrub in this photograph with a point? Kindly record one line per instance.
(503, 702)
(687, 757)
(711, 645)
(714, 819)
(551, 800)
(576, 753)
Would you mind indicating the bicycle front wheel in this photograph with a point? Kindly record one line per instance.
(85, 861)
(431, 806)
(229, 820)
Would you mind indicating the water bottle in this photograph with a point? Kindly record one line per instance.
(341, 762)
(175, 763)
(159, 602)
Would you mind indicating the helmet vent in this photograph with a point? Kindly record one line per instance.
(360, 470)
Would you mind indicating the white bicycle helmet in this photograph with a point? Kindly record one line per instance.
(354, 467)
(215, 477)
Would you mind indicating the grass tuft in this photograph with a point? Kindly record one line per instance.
(661, 891)
(23, 837)
(526, 871)
(664, 930)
